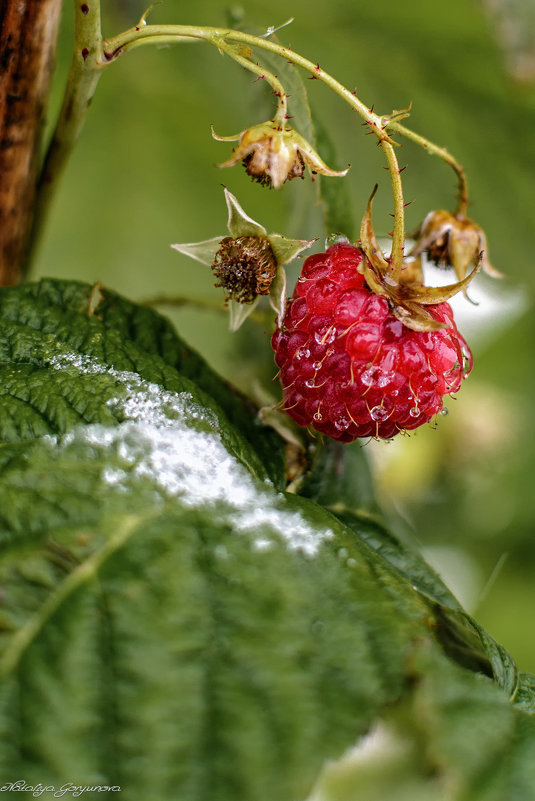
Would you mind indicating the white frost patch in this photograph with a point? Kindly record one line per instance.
(156, 442)
(380, 752)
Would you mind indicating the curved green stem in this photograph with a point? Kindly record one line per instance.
(92, 54)
(442, 153)
(398, 233)
(87, 64)
(281, 114)
(167, 34)
(221, 39)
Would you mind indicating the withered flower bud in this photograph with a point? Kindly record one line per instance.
(407, 294)
(245, 267)
(273, 155)
(453, 241)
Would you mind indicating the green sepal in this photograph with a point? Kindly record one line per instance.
(201, 251)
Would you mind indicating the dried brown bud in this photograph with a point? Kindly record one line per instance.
(245, 267)
(272, 155)
(453, 241)
(408, 295)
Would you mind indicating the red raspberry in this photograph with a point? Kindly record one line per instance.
(348, 367)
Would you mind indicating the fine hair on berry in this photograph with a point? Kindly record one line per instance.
(348, 367)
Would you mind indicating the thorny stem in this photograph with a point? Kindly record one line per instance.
(398, 234)
(281, 114)
(221, 37)
(92, 54)
(441, 152)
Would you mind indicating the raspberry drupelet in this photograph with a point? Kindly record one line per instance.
(349, 368)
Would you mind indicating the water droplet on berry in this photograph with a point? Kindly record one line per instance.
(317, 416)
(444, 411)
(369, 377)
(379, 413)
(310, 383)
(302, 353)
(336, 239)
(414, 412)
(317, 365)
(342, 424)
(325, 335)
(384, 380)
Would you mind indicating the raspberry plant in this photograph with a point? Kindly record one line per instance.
(172, 565)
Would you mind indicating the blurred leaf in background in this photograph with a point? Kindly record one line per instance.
(143, 177)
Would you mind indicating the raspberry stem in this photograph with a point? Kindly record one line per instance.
(281, 114)
(92, 54)
(398, 233)
(87, 65)
(222, 38)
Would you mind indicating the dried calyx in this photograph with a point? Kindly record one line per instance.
(406, 292)
(248, 263)
(452, 240)
(272, 154)
(245, 267)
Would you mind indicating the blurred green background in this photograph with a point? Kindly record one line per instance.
(143, 176)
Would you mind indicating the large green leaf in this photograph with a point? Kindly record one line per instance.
(174, 624)
(52, 318)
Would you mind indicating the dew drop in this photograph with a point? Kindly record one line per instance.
(342, 424)
(335, 239)
(325, 335)
(444, 411)
(414, 412)
(317, 416)
(379, 413)
(302, 353)
(384, 380)
(369, 377)
(317, 365)
(310, 383)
